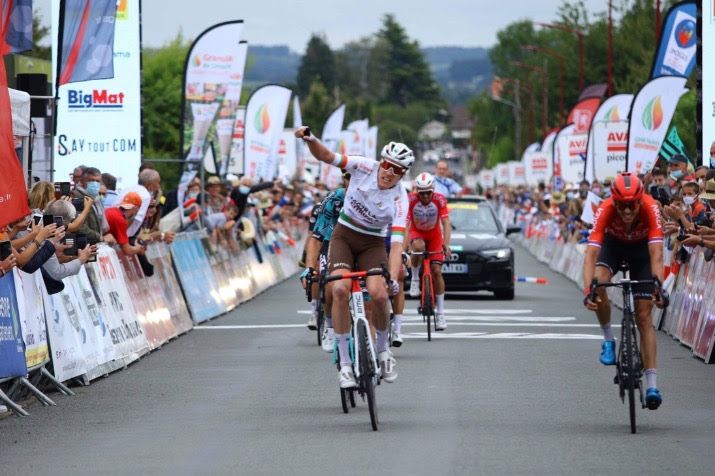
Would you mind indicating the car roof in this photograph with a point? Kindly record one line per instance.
(468, 198)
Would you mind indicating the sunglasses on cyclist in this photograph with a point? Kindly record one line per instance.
(395, 169)
(626, 205)
(425, 193)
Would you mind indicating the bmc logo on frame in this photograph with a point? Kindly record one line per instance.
(96, 99)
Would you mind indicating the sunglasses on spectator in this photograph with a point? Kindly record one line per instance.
(395, 169)
(626, 205)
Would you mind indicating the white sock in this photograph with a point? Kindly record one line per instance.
(415, 274)
(397, 321)
(607, 332)
(344, 348)
(440, 303)
(314, 306)
(328, 321)
(382, 343)
(650, 378)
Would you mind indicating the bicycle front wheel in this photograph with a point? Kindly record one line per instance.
(367, 372)
(629, 364)
(320, 325)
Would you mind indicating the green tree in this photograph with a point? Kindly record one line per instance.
(318, 63)
(316, 107)
(40, 31)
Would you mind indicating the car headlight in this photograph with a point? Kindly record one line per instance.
(500, 253)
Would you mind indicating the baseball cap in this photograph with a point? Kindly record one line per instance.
(131, 200)
(678, 158)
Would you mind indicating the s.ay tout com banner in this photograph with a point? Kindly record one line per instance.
(99, 122)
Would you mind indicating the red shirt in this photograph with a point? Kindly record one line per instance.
(117, 225)
(648, 225)
(427, 217)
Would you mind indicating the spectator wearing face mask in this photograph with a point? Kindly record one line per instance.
(94, 225)
(697, 209)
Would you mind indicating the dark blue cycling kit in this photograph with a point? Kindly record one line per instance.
(326, 217)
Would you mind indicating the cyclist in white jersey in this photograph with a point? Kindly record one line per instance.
(373, 201)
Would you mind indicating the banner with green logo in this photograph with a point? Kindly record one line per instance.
(266, 113)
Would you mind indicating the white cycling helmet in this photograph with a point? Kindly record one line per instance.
(424, 182)
(399, 154)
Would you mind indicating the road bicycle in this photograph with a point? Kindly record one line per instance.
(427, 299)
(365, 366)
(320, 308)
(629, 368)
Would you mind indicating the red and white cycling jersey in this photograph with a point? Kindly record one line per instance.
(427, 217)
(648, 225)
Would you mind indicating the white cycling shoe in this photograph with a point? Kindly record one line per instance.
(396, 339)
(328, 339)
(346, 377)
(441, 323)
(415, 288)
(388, 366)
(312, 322)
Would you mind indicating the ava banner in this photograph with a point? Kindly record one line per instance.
(357, 144)
(538, 166)
(610, 146)
(678, 41)
(486, 179)
(582, 115)
(613, 109)
(547, 146)
(650, 116)
(502, 174)
(517, 173)
(213, 76)
(331, 138)
(265, 117)
(371, 148)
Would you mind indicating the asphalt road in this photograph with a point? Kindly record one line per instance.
(510, 388)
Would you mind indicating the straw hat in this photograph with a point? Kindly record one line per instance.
(248, 231)
(558, 198)
(709, 193)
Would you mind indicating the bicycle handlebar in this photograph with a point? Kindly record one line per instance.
(359, 274)
(659, 291)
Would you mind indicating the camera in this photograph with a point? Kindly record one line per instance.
(78, 204)
(62, 189)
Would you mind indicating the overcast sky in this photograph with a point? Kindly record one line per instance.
(291, 22)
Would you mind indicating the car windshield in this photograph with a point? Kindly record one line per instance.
(470, 216)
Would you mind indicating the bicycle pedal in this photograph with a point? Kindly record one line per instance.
(615, 380)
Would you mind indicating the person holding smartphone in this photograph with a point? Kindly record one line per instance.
(60, 265)
(8, 258)
(29, 243)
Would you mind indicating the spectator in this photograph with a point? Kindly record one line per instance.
(94, 225)
(443, 183)
(697, 210)
(76, 174)
(119, 219)
(40, 195)
(110, 194)
(215, 201)
(245, 187)
(59, 266)
(148, 186)
(583, 189)
(34, 249)
(678, 168)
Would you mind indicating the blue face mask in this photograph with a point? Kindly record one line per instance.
(569, 195)
(244, 190)
(677, 175)
(93, 189)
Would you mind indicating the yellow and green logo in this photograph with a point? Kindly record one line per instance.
(262, 119)
(653, 114)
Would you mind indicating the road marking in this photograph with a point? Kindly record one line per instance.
(503, 335)
(409, 324)
(461, 311)
(258, 326)
(499, 318)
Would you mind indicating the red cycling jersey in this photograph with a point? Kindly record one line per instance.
(427, 217)
(648, 225)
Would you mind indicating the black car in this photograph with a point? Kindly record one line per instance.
(482, 256)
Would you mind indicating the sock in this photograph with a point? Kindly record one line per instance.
(650, 378)
(382, 343)
(397, 321)
(440, 303)
(328, 321)
(314, 307)
(344, 349)
(415, 275)
(607, 332)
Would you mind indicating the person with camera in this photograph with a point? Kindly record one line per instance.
(87, 190)
(119, 219)
(67, 258)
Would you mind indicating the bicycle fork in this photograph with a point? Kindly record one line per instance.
(357, 302)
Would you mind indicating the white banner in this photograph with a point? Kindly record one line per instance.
(502, 174)
(358, 143)
(708, 82)
(306, 162)
(64, 334)
(235, 161)
(517, 173)
(265, 118)
(590, 207)
(371, 148)
(538, 167)
(330, 138)
(287, 160)
(650, 117)
(486, 179)
(613, 109)
(99, 122)
(533, 147)
(610, 144)
(547, 146)
(571, 152)
(31, 310)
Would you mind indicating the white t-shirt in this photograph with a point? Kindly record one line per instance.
(368, 209)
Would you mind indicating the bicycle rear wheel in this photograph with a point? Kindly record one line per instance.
(344, 399)
(629, 365)
(427, 308)
(320, 325)
(367, 372)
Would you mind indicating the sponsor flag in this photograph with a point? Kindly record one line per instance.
(676, 53)
(306, 162)
(650, 116)
(13, 193)
(534, 147)
(16, 20)
(572, 156)
(582, 114)
(265, 117)
(235, 161)
(538, 167)
(287, 159)
(593, 91)
(611, 144)
(486, 179)
(502, 174)
(590, 207)
(517, 173)
(332, 129)
(358, 141)
(371, 148)
(613, 109)
(86, 40)
(672, 145)
(213, 77)
(548, 145)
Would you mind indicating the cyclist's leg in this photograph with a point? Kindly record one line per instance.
(398, 307)
(328, 332)
(607, 262)
(434, 245)
(340, 261)
(417, 245)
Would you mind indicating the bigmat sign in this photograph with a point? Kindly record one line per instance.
(99, 122)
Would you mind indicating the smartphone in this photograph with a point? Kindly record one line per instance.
(81, 241)
(47, 220)
(71, 241)
(62, 189)
(36, 219)
(78, 204)
(5, 250)
(58, 221)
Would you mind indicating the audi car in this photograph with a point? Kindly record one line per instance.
(482, 255)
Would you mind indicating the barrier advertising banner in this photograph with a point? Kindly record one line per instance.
(265, 117)
(331, 137)
(517, 173)
(12, 348)
(650, 116)
(99, 121)
(30, 288)
(610, 144)
(160, 256)
(371, 147)
(613, 109)
(213, 76)
(538, 168)
(707, 67)
(678, 41)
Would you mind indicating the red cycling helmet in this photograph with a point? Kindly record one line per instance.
(627, 188)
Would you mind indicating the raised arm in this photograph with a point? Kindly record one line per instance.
(318, 150)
